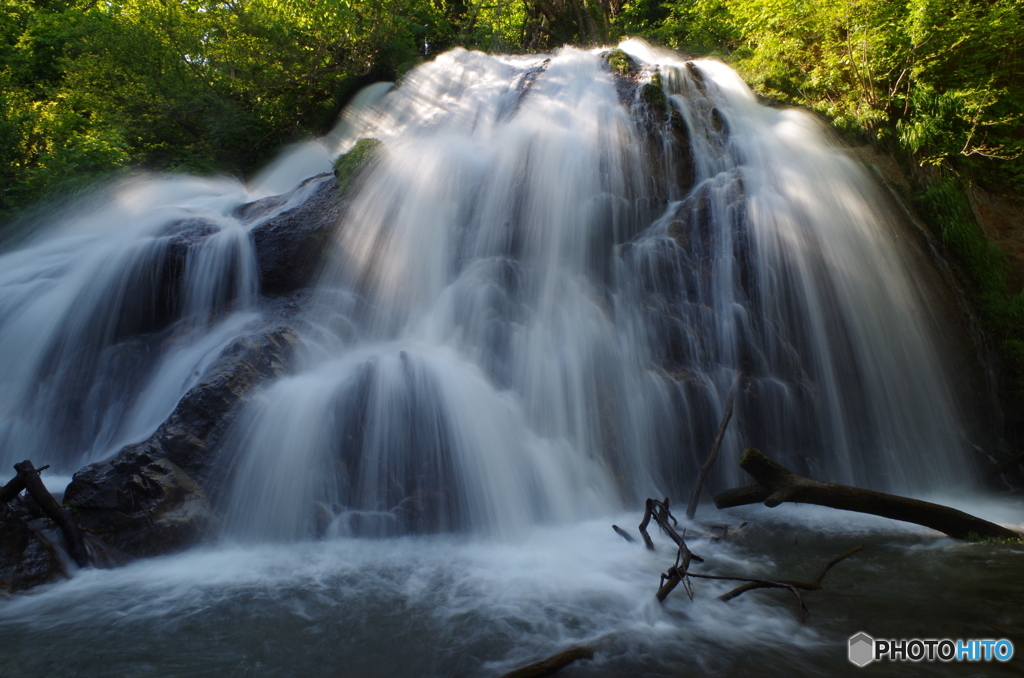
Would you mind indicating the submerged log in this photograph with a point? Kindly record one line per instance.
(28, 479)
(777, 484)
(622, 533)
(552, 664)
(691, 508)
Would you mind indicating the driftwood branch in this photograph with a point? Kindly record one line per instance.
(806, 586)
(677, 574)
(648, 512)
(554, 663)
(659, 511)
(622, 533)
(759, 584)
(28, 479)
(691, 508)
(777, 484)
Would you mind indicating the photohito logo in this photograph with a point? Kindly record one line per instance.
(864, 649)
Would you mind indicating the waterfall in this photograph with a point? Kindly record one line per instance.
(551, 281)
(555, 289)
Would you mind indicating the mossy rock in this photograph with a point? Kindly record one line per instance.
(619, 61)
(653, 95)
(350, 164)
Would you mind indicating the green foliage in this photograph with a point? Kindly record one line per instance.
(704, 27)
(87, 89)
(348, 165)
(495, 26)
(975, 538)
(946, 208)
(939, 79)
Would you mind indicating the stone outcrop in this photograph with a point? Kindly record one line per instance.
(291, 246)
(151, 498)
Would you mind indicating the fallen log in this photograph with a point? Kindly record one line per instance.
(28, 479)
(12, 489)
(691, 508)
(552, 664)
(777, 484)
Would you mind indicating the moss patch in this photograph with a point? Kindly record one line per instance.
(974, 537)
(619, 61)
(653, 95)
(350, 164)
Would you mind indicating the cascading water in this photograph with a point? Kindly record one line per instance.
(547, 281)
(108, 317)
(550, 320)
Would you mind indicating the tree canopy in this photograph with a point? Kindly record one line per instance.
(90, 87)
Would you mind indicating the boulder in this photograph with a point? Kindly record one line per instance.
(291, 245)
(27, 557)
(151, 498)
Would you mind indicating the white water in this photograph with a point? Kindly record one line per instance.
(543, 336)
(543, 327)
(82, 372)
(447, 605)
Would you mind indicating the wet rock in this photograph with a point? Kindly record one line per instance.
(696, 75)
(628, 79)
(291, 246)
(681, 152)
(27, 557)
(664, 134)
(522, 88)
(151, 498)
(653, 95)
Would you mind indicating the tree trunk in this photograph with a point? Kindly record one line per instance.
(28, 479)
(776, 484)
